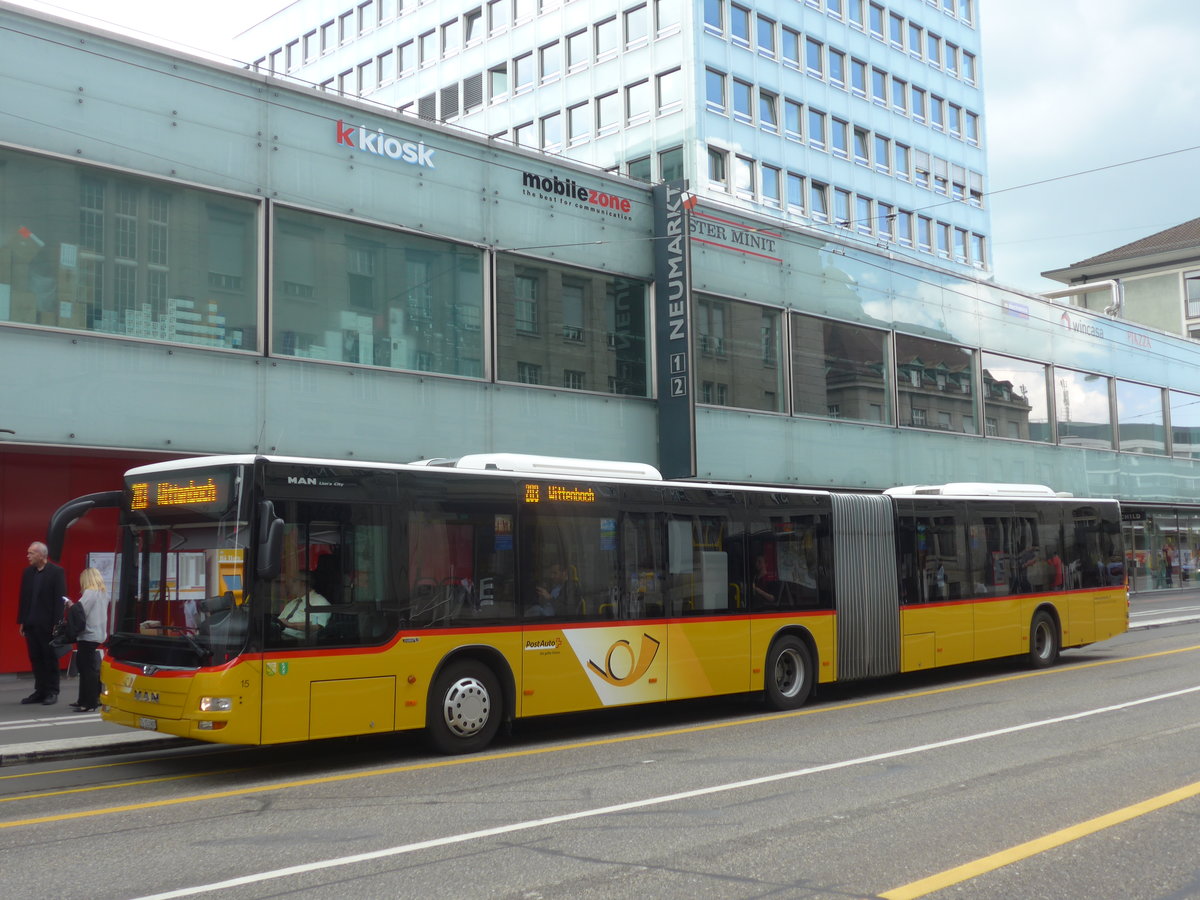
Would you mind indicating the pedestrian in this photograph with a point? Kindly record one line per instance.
(94, 601)
(43, 590)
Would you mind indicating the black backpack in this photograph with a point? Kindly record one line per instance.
(76, 623)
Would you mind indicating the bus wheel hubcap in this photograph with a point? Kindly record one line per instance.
(789, 673)
(467, 707)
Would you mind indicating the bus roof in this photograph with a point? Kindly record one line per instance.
(974, 489)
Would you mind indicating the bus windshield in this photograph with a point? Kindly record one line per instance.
(182, 596)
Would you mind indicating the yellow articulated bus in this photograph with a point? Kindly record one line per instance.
(265, 599)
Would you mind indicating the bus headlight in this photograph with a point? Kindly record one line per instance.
(216, 704)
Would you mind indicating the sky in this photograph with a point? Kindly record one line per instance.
(1089, 115)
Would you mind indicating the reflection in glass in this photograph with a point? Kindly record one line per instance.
(1084, 413)
(839, 370)
(566, 327)
(88, 250)
(1185, 424)
(1140, 426)
(1015, 401)
(935, 385)
(737, 354)
(356, 293)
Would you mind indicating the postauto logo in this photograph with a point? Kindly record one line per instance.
(379, 143)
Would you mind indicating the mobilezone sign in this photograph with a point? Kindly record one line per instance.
(379, 143)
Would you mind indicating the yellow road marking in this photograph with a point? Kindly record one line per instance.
(86, 789)
(987, 864)
(578, 745)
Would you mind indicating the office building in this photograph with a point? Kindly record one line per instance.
(850, 115)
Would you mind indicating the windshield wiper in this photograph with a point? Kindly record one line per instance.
(203, 652)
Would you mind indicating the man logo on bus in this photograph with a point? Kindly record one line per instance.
(621, 667)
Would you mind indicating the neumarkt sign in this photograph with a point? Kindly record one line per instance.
(672, 300)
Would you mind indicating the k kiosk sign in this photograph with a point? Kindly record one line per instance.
(673, 326)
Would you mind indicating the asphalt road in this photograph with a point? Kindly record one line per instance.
(868, 792)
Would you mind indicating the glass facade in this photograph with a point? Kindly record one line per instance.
(97, 250)
(1084, 409)
(840, 371)
(935, 385)
(356, 293)
(1016, 404)
(562, 326)
(1140, 424)
(737, 354)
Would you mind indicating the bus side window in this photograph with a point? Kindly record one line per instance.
(698, 573)
(459, 568)
(639, 593)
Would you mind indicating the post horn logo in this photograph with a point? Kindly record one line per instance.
(633, 667)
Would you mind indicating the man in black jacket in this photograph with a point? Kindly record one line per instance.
(43, 587)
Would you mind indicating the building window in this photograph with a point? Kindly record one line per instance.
(550, 61)
(577, 50)
(670, 91)
(839, 135)
(858, 77)
(606, 38)
(770, 186)
(670, 164)
(739, 24)
(741, 100)
(879, 80)
(718, 176)
(529, 373)
(1191, 293)
(608, 112)
(766, 36)
(814, 57)
(792, 119)
(862, 147)
(637, 25)
(637, 101)
(768, 111)
(743, 177)
(714, 19)
(715, 89)
(837, 68)
(574, 379)
(577, 124)
(818, 195)
(525, 303)
(551, 128)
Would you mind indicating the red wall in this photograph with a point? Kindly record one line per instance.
(32, 485)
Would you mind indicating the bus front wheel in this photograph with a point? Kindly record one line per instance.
(789, 673)
(465, 708)
(1043, 640)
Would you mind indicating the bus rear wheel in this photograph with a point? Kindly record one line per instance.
(465, 708)
(1043, 640)
(789, 673)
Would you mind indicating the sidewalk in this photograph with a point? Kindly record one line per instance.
(34, 732)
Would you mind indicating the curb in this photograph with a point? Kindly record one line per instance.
(79, 748)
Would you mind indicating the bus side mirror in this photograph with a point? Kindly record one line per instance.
(72, 510)
(270, 542)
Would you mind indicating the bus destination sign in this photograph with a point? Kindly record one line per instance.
(201, 492)
(557, 493)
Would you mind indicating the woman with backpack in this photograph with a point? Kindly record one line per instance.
(94, 603)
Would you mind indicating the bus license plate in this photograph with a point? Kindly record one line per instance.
(147, 723)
